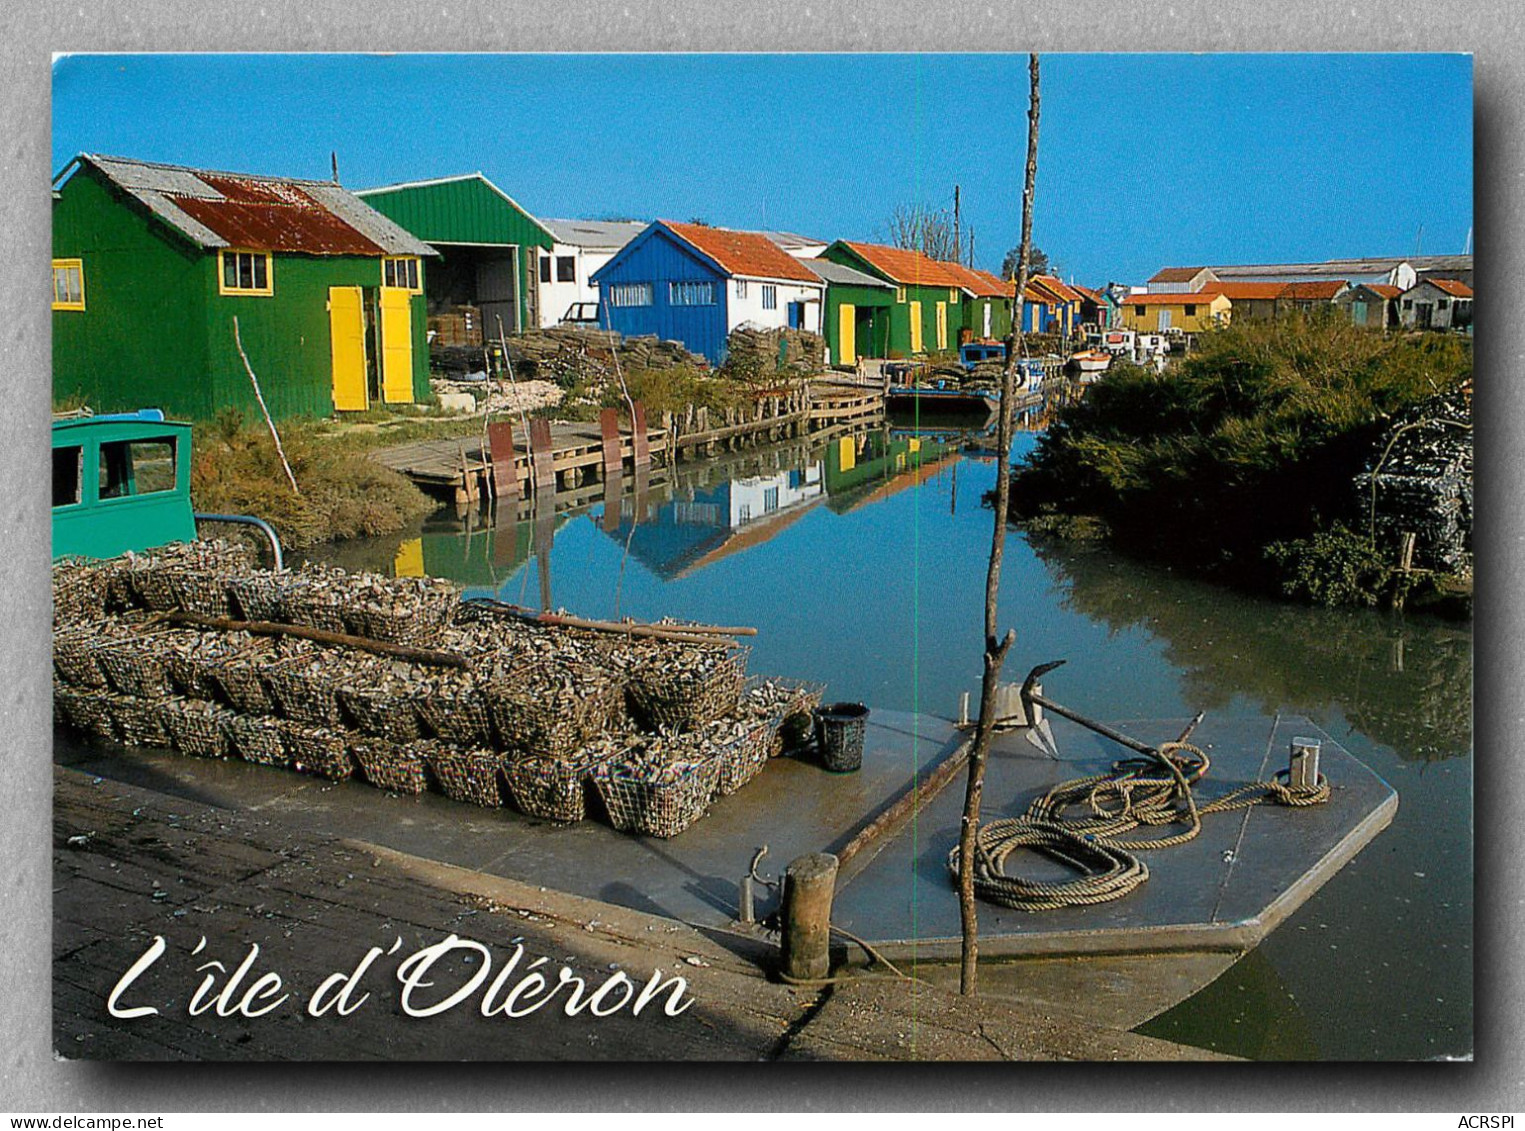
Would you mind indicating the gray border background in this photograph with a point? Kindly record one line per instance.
(31, 1079)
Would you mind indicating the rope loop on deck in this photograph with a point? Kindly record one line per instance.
(1083, 824)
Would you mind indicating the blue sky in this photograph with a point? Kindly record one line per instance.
(1145, 160)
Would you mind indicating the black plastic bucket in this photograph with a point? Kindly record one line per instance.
(839, 736)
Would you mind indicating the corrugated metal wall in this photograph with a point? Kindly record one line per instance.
(659, 259)
(468, 211)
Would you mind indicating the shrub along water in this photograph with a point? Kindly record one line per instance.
(345, 494)
(1253, 440)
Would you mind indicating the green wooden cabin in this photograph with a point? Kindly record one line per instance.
(856, 318)
(490, 248)
(153, 263)
(120, 483)
(926, 313)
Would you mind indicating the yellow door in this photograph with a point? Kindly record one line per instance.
(915, 327)
(942, 325)
(346, 331)
(847, 331)
(847, 454)
(396, 345)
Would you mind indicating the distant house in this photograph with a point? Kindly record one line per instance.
(1191, 313)
(928, 309)
(1373, 305)
(1436, 304)
(695, 284)
(857, 314)
(153, 263)
(1180, 280)
(1457, 267)
(1095, 310)
(1250, 300)
(565, 273)
(1049, 306)
(489, 246)
(1311, 295)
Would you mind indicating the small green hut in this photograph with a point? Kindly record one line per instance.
(856, 319)
(153, 264)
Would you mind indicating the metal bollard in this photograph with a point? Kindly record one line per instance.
(748, 912)
(1302, 768)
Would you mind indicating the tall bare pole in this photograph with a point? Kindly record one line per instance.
(995, 650)
(958, 242)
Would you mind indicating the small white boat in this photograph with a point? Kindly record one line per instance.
(1092, 361)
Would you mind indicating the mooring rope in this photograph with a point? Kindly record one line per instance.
(1134, 795)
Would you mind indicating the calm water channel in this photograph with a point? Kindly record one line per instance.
(862, 562)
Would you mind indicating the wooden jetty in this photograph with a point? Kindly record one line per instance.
(571, 456)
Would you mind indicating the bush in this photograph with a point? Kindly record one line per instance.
(1252, 440)
(1333, 567)
(345, 494)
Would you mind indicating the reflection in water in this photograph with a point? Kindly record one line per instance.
(862, 562)
(1407, 685)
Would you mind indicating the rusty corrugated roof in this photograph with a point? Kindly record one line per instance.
(280, 214)
(743, 253)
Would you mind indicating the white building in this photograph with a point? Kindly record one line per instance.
(581, 248)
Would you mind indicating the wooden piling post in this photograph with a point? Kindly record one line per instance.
(809, 884)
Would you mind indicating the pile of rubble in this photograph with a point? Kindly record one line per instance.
(499, 395)
(398, 683)
(1421, 473)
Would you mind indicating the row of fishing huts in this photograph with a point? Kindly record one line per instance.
(1385, 293)
(200, 291)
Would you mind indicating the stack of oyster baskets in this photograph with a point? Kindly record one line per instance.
(544, 717)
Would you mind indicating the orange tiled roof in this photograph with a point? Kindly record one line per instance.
(1176, 274)
(744, 253)
(1386, 290)
(1087, 293)
(1057, 286)
(906, 267)
(1239, 291)
(1452, 287)
(1320, 289)
(1186, 298)
(980, 283)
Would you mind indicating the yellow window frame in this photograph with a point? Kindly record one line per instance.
(952, 296)
(899, 294)
(64, 265)
(222, 275)
(418, 272)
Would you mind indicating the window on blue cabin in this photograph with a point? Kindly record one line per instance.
(630, 294)
(691, 294)
(770, 297)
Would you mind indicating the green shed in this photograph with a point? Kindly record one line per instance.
(928, 308)
(154, 266)
(856, 318)
(490, 247)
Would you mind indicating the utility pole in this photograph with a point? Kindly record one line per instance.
(995, 650)
(958, 246)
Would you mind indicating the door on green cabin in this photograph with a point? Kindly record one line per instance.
(942, 325)
(915, 327)
(346, 329)
(396, 345)
(847, 334)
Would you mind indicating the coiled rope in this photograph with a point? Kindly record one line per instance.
(1134, 795)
